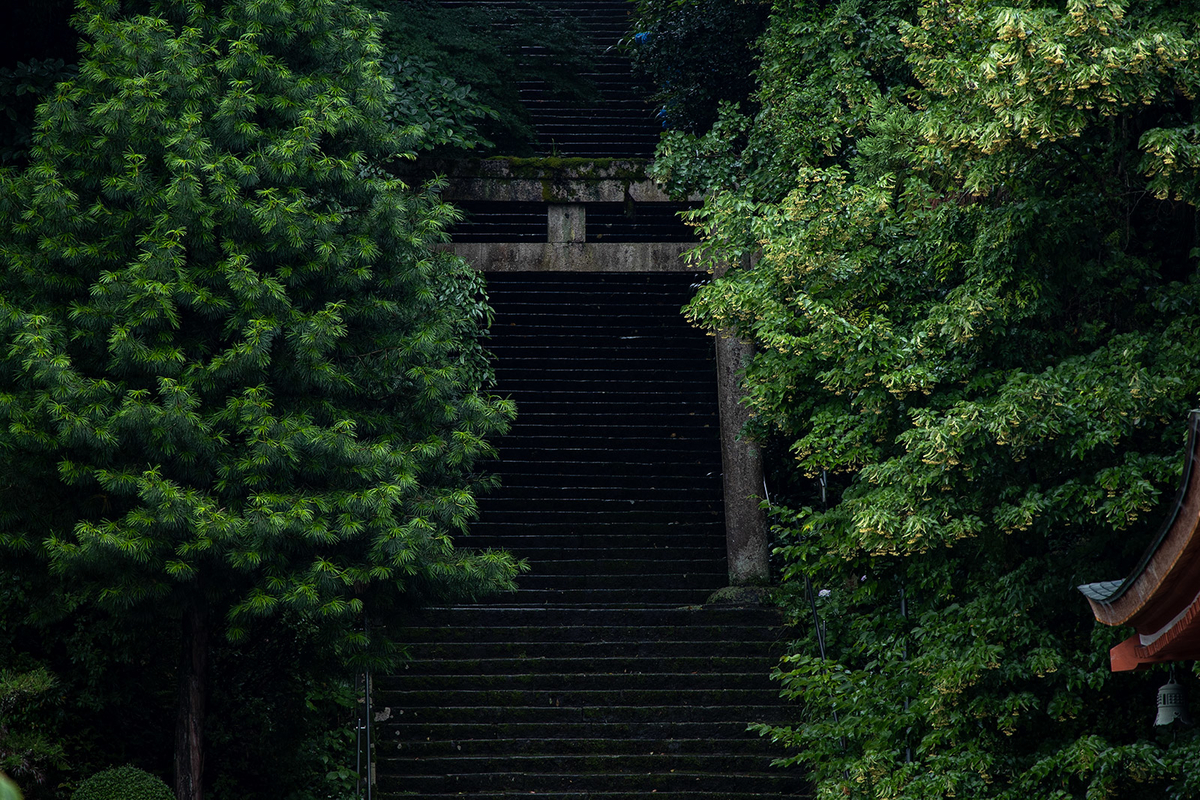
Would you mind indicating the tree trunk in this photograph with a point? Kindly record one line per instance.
(189, 727)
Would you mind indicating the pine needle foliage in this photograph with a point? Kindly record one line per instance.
(235, 373)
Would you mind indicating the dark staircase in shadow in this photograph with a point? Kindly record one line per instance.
(612, 473)
(605, 675)
(619, 122)
(583, 703)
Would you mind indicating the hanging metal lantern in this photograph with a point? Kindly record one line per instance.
(1172, 704)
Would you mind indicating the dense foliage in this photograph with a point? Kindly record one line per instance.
(969, 237)
(463, 66)
(37, 49)
(695, 55)
(26, 752)
(238, 386)
(122, 783)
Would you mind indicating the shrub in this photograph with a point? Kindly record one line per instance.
(123, 783)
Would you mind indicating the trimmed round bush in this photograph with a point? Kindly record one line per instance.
(123, 783)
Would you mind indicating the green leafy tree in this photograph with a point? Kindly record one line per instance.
(37, 49)
(236, 379)
(122, 783)
(25, 750)
(694, 55)
(463, 66)
(971, 231)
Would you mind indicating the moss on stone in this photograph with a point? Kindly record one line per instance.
(742, 596)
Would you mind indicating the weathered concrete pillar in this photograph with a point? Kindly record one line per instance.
(566, 222)
(745, 521)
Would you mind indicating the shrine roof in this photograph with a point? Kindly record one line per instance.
(1161, 596)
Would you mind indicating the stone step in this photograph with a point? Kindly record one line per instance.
(529, 474)
(693, 426)
(686, 376)
(706, 582)
(597, 363)
(585, 784)
(707, 680)
(636, 345)
(668, 444)
(754, 662)
(566, 483)
(625, 511)
(627, 467)
(636, 794)
(403, 732)
(540, 550)
(577, 764)
(564, 651)
(527, 480)
(608, 745)
(616, 597)
(522, 625)
(555, 715)
(549, 566)
(476, 616)
(542, 428)
(708, 538)
(615, 703)
(524, 316)
(670, 451)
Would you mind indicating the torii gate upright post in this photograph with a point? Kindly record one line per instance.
(742, 473)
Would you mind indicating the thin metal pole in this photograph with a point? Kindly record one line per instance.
(818, 623)
(904, 656)
(367, 721)
(358, 742)
(370, 757)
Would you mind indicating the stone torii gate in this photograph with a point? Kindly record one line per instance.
(558, 193)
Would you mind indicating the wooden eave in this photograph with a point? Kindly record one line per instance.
(1161, 597)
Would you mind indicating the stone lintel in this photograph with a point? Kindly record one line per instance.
(534, 191)
(576, 256)
(549, 180)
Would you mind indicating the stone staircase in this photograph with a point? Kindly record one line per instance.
(611, 474)
(620, 123)
(605, 675)
(583, 703)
